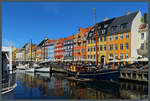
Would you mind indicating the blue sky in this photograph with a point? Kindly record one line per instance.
(23, 21)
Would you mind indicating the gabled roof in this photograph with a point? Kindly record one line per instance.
(100, 27)
(25, 45)
(118, 21)
(68, 38)
(42, 42)
(126, 19)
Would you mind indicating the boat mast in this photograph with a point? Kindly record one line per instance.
(31, 52)
(44, 44)
(73, 49)
(95, 26)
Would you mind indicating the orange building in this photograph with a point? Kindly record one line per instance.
(80, 44)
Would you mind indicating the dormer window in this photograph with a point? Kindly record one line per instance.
(99, 27)
(105, 26)
(123, 26)
(92, 29)
(114, 28)
(103, 31)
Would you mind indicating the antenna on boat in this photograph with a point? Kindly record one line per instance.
(31, 53)
(95, 26)
(44, 42)
(73, 49)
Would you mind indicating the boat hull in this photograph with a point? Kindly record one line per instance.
(43, 69)
(101, 75)
(32, 70)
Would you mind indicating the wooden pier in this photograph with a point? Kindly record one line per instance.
(134, 74)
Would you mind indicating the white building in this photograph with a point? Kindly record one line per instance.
(7, 59)
(143, 40)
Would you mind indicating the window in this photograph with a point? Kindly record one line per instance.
(88, 41)
(127, 35)
(94, 56)
(94, 41)
(116, 37)
(91, 49)
(91, 56)
(92, 29)
(101, 39)
(114, 28)
(94, 48)
(110, 38)
(126, 55)
(91, 41)
(110, 47)
(123, 26)
(116, 56)
(104, 38)
(104, 47)
(142, 46)
(127, 46)
(121, 36)
(111, 56)
(116, 47)
(97, 48)
(142, 35)
(105, 26)
(121, 46)
(121, 56)
(88, 49)
(101, 47)
(103, 31)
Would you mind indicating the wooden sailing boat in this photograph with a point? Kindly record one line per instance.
(93, 72)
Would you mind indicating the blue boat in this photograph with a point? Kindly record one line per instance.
(102, 74)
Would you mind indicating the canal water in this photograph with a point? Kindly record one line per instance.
(55, 86)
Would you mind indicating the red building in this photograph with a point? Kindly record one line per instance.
(58, 52)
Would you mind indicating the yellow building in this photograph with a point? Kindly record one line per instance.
(14, 50)
(101, 42)
(117, 38)
(119, 46)
(31, 51)
(23, 54)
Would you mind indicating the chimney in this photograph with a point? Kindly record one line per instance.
(128, 13)
(145, 17)
(105, 19)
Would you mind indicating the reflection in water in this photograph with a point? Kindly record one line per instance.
(54, 86)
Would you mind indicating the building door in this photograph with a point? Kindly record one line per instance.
(103, 59)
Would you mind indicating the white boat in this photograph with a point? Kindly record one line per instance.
(35, 65)
(47, 75)
(43, 69)
(31, 70)
(21, 66)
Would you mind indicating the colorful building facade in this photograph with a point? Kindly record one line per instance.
(67, 47)
(14, 50)
(80, 44)
(50, 48)
(117, 38)
(58, 54)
